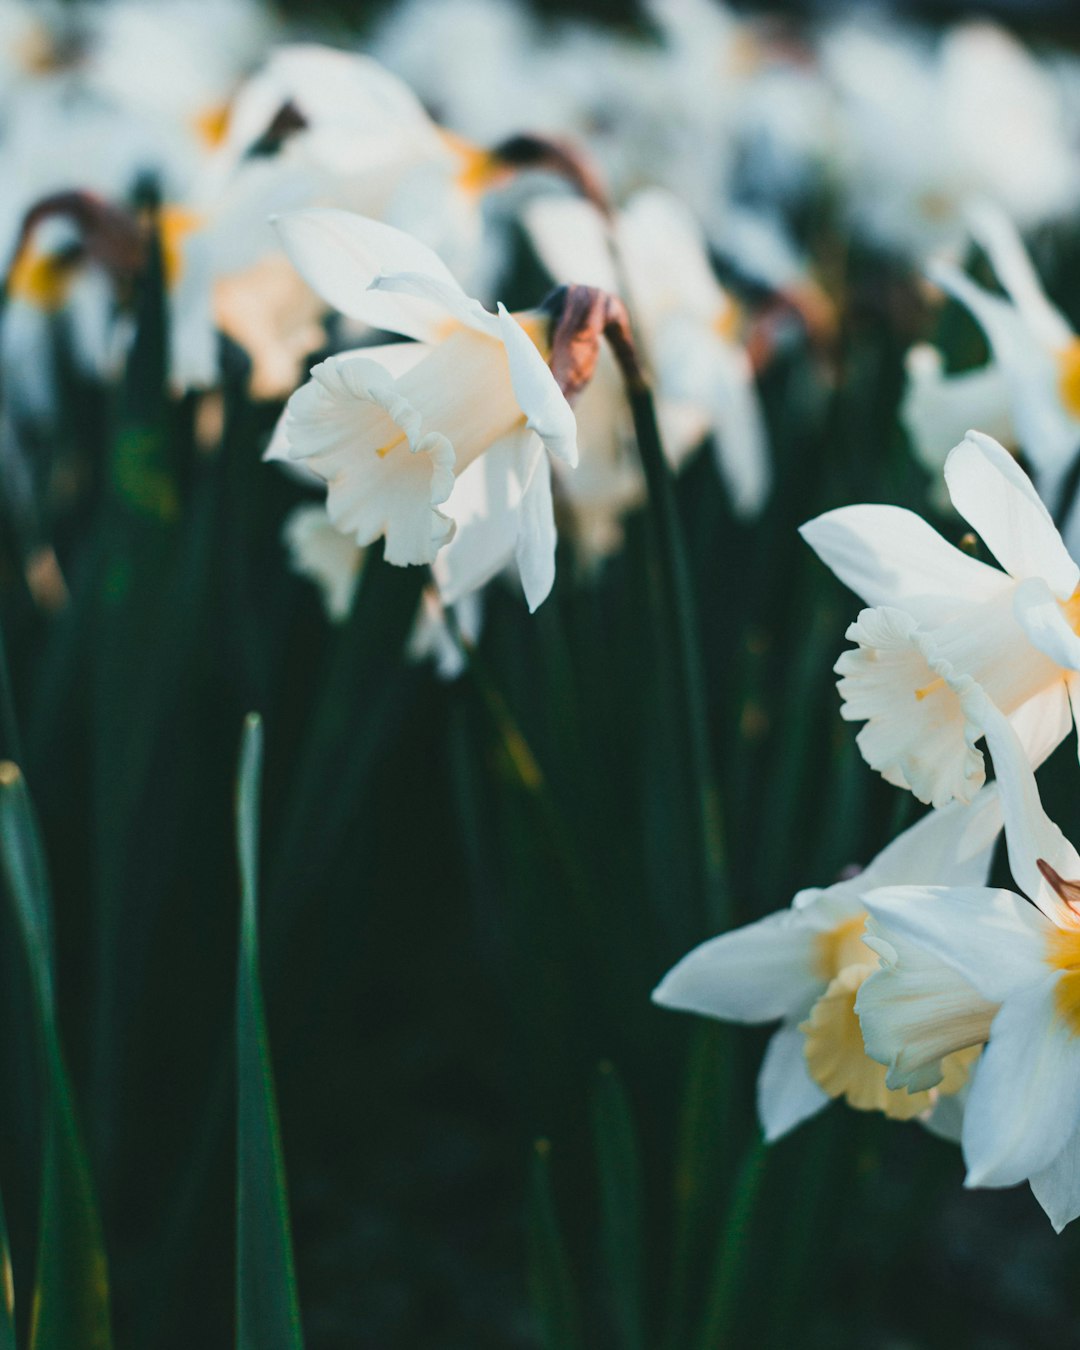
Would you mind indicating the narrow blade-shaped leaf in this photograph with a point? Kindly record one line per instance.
(71, 1296)
(267, 1307)
(619, 1165)
(551, 1285)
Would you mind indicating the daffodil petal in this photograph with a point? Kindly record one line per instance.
(1029, 832)
(1043, 722)
(952, 846)
(758, 973)
(937, 408)
(571, 239)
(997, 499)
(915, 1010)
(488, 503)
(740, 441)
(996, 234)
(534, 550)
(449, 299)
(538, 394)
(1057, 1187)
(786, 1094)
(1043, 620)
(946, 1118)
(1024, 1105)
(889, 556)
(340, 254)
(992, 938)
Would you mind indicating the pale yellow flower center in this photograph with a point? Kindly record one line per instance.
(175, 224)
(840, 1065)
(835, 1054)
(840, 947)
(727, 321)
(40, 279)
(1063, 953)
(537, 326)
(1072, 610)
(478, 169)
(1068, 359)
(210, 124)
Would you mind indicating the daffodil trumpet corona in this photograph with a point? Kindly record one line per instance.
(804, 966)
(964, 967)
(939, 620)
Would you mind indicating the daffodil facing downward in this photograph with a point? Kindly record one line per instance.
(940, 620)
(964, 966)
(395, 429)
(1032, 382)
(803, 967)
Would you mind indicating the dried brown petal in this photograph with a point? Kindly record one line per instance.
(583, 316)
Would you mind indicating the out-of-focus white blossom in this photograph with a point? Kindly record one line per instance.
(687, 324)
(930, 126)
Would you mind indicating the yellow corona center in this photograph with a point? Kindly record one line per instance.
(211, 124)
(36, 52)
(478, 169)
(833, 1042)
(175, 224)
(1063, 953)
(727, 321)
(840, 947)
(839, 1064)
(538, 328)
(1072, 610)
(40, 279)
(1068, 359)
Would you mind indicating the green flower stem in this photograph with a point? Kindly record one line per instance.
(679, 613)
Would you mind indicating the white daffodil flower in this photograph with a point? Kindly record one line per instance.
(367, 137)
(803, 966)
(1035, 353)
(173, 66)
(687, 324)
(929, 128)
(1014, 984)
(937, 409)
(940, 619)
(394, 430)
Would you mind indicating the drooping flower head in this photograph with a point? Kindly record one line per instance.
(940, 620)
(395, 429)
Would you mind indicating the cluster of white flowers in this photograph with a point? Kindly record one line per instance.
(308, 200)
(913, 988)
(453, 125)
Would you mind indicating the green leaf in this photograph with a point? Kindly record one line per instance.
(619, 1166)
(7, 1288)
(680, 650)
(71, 1296)
(706, 1121)
(733, 1250)
(551, 1286)
(267, 1307)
